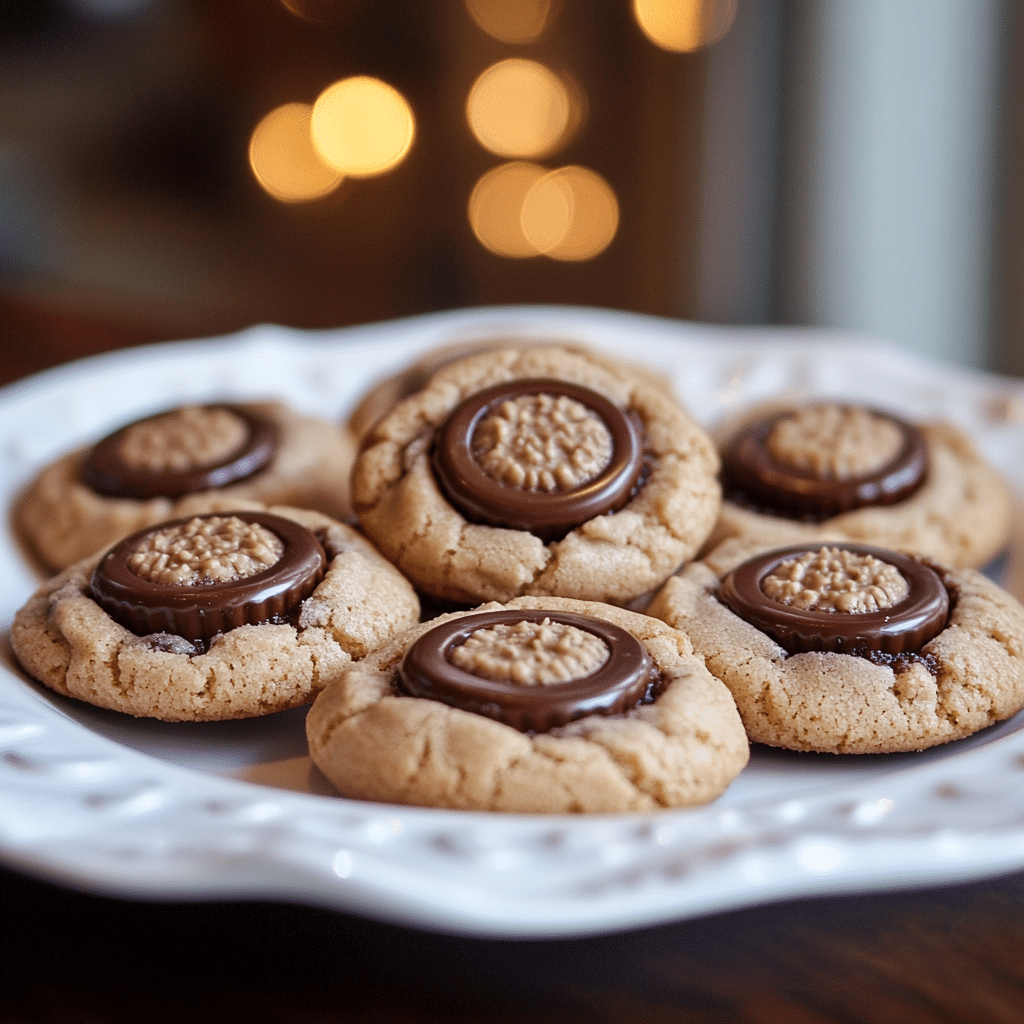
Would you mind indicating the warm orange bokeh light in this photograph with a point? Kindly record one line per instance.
(520, 210)
(362, 126)
(511, 21)
(519, 108)
(496, 205)
(684, 25)
(283, 159)
(547, 212)
(593, 220)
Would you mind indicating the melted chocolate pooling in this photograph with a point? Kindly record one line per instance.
(106, 471)
(547, 514)
(899, 630)
(623, 681)
(753, 477)
(201, 611)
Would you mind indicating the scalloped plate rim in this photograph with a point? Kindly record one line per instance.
(474, 873)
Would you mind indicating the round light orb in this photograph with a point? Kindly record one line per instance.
(682, 26)
(519, 108)
(362, 126)
(495, 208)
(283, 159)
(511, 21)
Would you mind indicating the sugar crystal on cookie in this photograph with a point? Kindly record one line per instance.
(542, 442)
(187, 438)
(835, 442)
(531, 653)
(835, 579)
(215, 549)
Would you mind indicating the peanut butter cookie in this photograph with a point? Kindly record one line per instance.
(543, 705)
(850, 648)
(845, 470)
(536, 471)
(386, 394)
(218, 616)
(182, 462)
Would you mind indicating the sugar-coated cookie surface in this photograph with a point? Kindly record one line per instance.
(960, 515)
(65, 520)
(844, 703)
(611, 557)
(63, 638)
(680, 750)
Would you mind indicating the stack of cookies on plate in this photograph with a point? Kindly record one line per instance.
(525, 591)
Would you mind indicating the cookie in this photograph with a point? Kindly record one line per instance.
(837, 470)
(543, 705)
(851, 649)
(189, 460)
(215, 617)
(536, 471)
(387, 393)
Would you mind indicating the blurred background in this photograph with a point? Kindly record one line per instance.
(180, 168)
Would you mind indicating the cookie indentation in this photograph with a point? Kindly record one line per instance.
(209, 574)
(846, 575)
(833, 442)
(531, 653)
(835, 580)
(542, 443)
(558, 685)
(821, 461)
(215, 549)
(538, 455)
(191, 437)
(194, 448)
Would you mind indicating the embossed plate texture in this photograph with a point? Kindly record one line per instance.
(132, 807)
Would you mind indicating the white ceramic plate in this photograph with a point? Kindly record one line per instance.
(139, 808)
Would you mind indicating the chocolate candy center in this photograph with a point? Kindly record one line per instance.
(200, 610)
(771, 466)
(902, 626)
(194, 448)
(583, 458)
(533, 705)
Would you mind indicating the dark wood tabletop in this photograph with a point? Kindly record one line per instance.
(951, 953)
(922, 957)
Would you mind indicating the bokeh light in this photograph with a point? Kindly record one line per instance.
(519, 108)
(520, 210)
(495, 208)
(511, 21)
(547, 212)
(593, 214)
(362, 126)
(684, 25)
(283, 159)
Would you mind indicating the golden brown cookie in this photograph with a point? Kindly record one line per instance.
(577, 742)
(221, 616)
(182, 462)
(387, 393)
(831, 469)
(566, 478)
(835, 655)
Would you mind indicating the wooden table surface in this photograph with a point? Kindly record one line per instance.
(919, 957)
(954, 953)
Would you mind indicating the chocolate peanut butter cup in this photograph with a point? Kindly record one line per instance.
(539, 455)
(198, 577)
(181, 451)
(532, 670)
(848, 599)
(823, 460)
